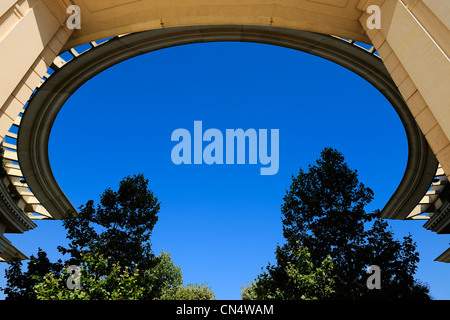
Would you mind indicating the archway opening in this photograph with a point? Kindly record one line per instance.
(222, 222)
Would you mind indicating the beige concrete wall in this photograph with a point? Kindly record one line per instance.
(413, 42)
(107, 18)
(32, 33)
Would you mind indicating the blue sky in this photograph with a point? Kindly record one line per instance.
(221, 223)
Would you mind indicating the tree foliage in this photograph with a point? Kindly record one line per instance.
(301, 279)
(100, 280)
(324, 211)
(19, 284)
(111, 244)
(120, 227)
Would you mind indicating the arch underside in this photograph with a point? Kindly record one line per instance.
(42, 109)
(101, 19)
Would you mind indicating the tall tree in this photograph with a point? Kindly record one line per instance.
(112, 245)
(118, 229)
(324, 211)
(121, 226)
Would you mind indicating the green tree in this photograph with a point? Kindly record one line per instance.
(19, 284)
(119, 228)
(101, 280)
(170, 280)
(114, 282)
(324, 211)
(118, 233)
(300, 279)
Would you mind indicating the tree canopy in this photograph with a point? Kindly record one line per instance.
(324, 212)
(111, 245)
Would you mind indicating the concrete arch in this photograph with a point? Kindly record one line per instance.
(412, 41)
(43, 108)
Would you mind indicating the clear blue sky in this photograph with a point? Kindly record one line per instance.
(221, 223)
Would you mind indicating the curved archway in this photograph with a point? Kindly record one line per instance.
(43, 108)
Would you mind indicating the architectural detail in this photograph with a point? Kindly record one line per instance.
(414, 44)
(444, 257)
(435, 209)
(49, 99)
(408, 62)
(8, 251)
